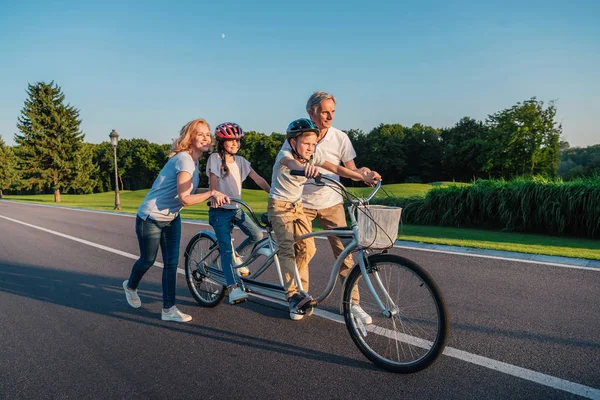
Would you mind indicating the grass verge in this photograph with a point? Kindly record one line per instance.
(477, 238)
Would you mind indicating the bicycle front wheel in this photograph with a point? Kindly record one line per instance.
(411, 332)
(202, 252)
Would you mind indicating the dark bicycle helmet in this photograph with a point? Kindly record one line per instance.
(229, 130)
(299, 126)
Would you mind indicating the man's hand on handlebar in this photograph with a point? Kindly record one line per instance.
(371, 178)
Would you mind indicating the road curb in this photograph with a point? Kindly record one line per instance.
(541, 258)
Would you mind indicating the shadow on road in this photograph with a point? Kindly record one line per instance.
(103, 295)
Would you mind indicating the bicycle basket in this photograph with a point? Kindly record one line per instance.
(378, 226)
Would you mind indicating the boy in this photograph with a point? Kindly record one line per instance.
(285, 207)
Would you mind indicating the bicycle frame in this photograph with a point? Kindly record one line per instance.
(267, 248)
(399, 300)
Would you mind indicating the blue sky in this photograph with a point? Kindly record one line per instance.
(147, 68)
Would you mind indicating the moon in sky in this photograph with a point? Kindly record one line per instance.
(222, 36)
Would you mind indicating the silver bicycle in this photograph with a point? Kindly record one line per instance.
(409, 320)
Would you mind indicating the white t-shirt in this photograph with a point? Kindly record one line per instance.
(231, 184)
(162, 203)
(336, 148)
(285, 186)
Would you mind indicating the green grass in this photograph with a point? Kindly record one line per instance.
(404, 189)
(507, 241)
(478, 238)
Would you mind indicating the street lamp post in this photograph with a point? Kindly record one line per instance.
(114, 138)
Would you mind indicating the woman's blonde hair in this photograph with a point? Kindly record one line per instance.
(183, 142)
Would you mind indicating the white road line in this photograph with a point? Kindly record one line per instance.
(76, 239)
(509, 369)
(202, 223)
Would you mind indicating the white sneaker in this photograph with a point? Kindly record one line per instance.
(295, 316)
(131, 295)
(237, 296)
(173, 314)
(359, 313)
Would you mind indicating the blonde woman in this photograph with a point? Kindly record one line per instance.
(158, 221)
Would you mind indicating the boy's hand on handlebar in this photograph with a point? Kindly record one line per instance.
(219, 199)
(310, 171)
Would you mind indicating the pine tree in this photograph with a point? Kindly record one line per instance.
(8, 167)
(50, 147)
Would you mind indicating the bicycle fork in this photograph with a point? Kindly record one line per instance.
(388, 311)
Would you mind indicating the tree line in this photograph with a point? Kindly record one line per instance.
(51, 156)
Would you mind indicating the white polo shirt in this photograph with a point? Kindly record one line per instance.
(336, 148)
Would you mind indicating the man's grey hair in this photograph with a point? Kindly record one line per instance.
(315, 99)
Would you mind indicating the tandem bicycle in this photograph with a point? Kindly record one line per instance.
(409, 319)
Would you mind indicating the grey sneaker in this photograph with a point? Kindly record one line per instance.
(173, 314)
(359, 313)
(131, 295)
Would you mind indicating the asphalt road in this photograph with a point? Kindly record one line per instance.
(518, 330)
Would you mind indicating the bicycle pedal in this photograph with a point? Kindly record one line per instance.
(306, 303)
(240, 301)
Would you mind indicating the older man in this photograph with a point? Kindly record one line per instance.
(321, 202)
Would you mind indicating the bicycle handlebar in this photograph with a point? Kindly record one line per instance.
(318, 179)
(347, 194)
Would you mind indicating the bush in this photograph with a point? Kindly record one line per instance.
(531, 205)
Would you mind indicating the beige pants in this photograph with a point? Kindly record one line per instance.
(289, 222)
(329, 218)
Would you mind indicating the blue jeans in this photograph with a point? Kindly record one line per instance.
(222, 220)
(151, 234)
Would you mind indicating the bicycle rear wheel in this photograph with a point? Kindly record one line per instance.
(414, 335)
(202, 251)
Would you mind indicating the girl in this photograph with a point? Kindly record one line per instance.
(158, 220)
(227, 171)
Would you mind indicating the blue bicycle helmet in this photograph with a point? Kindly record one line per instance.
(299, 126)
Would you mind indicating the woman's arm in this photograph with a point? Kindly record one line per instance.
(259, 180)
(184, 189)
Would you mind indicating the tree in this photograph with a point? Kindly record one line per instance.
(422, 147)
(83, 182)
(524, 140)
(8, 167)
(463, 149)
(50, 147)
(577, 162)
(261, 150)
(382, 150)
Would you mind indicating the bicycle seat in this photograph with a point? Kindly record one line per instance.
(264, 218)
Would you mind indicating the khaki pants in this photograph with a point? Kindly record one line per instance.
(289, 222)
(329, 218)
